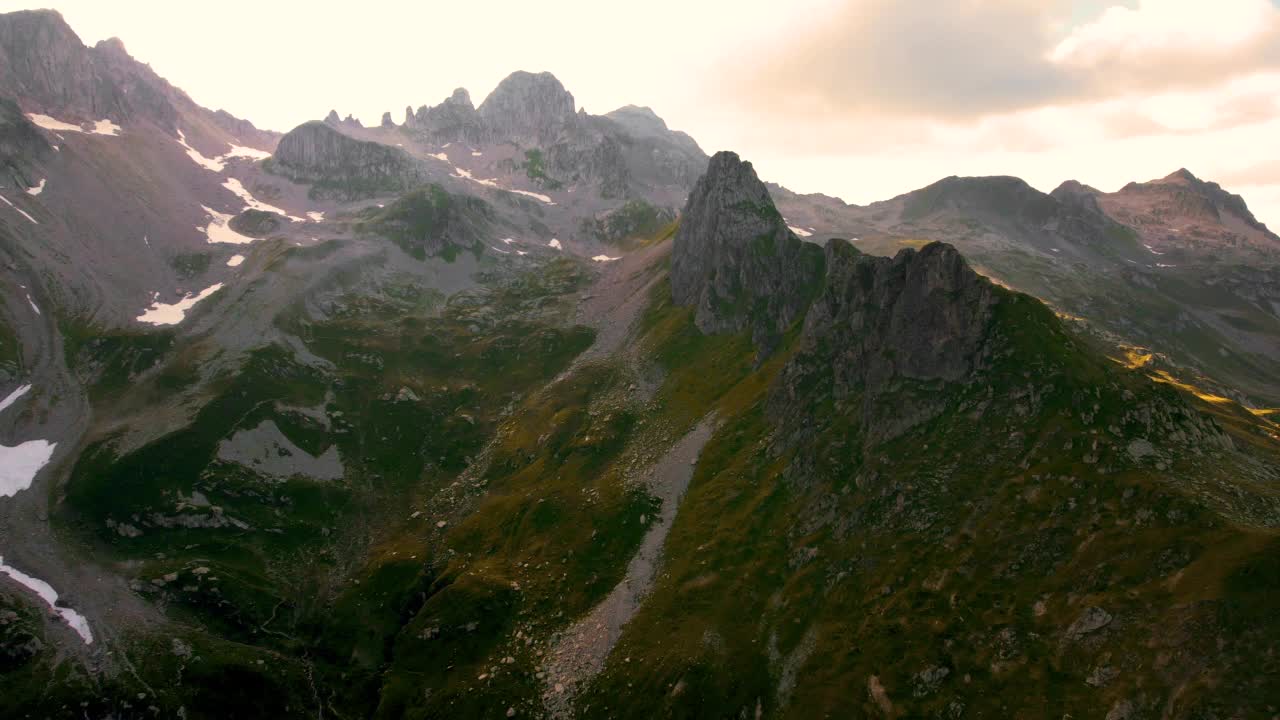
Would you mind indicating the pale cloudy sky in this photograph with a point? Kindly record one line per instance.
(862, 99)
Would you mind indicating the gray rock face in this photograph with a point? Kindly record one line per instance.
(43, 60)
(453, 120)
(528, 108)
(45, 65)
(921, 315)
(734, 259)
(342, 166)
(644, 123)
(387, 122)
(20, 143)
(627, 154)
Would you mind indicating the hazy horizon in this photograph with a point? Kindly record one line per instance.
(876, 100)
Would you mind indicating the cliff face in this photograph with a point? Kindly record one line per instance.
(20, 143)
(920, 315)
(42, 60)
(734, 259)
(528, 108)
(453, 120)
(882, 331)
(341, 166)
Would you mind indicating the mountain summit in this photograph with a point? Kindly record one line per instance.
(734, 259)
(529, 107)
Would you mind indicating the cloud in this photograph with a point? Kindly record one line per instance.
(963, 59)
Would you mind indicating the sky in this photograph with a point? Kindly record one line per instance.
(861, 99)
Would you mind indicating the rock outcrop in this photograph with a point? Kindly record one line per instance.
(43, 61)
(431, 221)
(920, 315)
(736, 262)
(20, 143)
(340, 166)
(257, 223)
(630, 153)
(453, 120)
(529, 108)
(387, 122)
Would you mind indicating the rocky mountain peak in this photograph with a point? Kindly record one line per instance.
(44, 62)
(455, 119)
(1182, 195)
(922, 315)
(460, 97)
(1074, 187)
(734, 259)
(113, 46)
(1181, 176)
(528, 106)
(997, 195)
(332, 118)
(639, 120)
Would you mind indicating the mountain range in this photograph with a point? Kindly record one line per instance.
(511, 410)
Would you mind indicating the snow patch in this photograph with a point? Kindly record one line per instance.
(534, 195)
(100, 127)
(248, 152)
(316, 216)
(464, 174)
(33, 304)
(20, 210)
(1153, 250)
(49, 123)
(105, 127)
(219, 231)
(46, 592)
(236, 188)
(171, 314)
(235, 261)
(508, 240)
(208, 163)
(13, 397)
(555, 244)
(39, 188)
(1162, 265)
(20, 463)
(499, 250)
(440, 156)
(476, 153)
(605, 258)
(800, 232)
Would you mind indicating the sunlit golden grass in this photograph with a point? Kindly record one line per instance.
(1162, 376)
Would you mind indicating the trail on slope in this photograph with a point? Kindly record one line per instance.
(579, 652)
